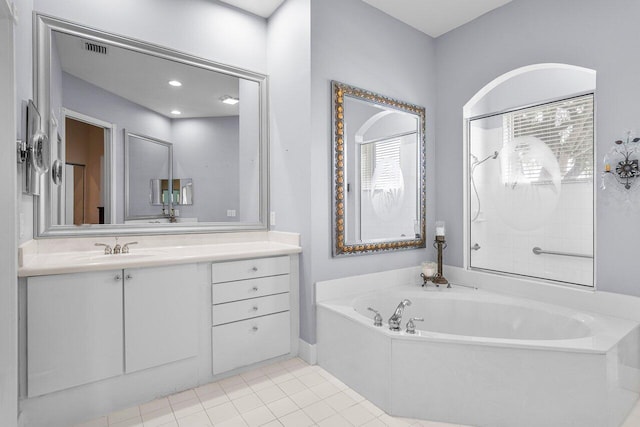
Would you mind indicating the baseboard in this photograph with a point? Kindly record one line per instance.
(307, 352)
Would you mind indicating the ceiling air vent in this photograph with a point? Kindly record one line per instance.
(95, 47)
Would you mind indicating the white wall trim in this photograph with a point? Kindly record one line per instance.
(307, 352)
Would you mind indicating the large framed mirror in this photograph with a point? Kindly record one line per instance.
(204, 124)
(378, 172)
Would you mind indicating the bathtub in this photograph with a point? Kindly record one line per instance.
(483, 359)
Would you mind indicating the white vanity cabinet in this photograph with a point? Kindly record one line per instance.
(251, 311)
(74, 330)
(85, 327)
(160, 315)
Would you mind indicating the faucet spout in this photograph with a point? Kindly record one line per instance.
(396, 318)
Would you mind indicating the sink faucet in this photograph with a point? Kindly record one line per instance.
(396, 318)
(107, 248)
(125, 247)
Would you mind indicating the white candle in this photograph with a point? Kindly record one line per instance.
(440, 228)
(428, 269)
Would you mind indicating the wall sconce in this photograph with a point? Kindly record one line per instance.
(621, 165)
(33, 152)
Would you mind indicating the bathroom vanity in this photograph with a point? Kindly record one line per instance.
(175, 312)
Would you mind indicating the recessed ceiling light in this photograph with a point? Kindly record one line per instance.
(229, 100)
(176, 112)
(175, 83)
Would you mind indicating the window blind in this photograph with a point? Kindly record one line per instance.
(373, 156)
(566, 127)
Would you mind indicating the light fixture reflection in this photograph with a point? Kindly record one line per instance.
(175, 83)
(229, 100)
(176, 112)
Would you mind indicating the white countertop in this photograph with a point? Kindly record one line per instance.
(74, 255)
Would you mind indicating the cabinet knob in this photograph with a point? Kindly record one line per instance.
(255, 328)
(117, 277)
(255, 288)
(255, 308)
(129, 276)
(254, 269)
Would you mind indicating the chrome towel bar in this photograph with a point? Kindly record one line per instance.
(539, 251)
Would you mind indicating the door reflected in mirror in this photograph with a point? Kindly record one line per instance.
(378, 172)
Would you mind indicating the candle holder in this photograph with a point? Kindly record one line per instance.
(440, 243)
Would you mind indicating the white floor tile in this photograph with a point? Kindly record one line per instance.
(180, 397)
(159, 417)
(199, 419)
(312, 379)
(254, 373)
(281, 376)
(258, 416)
(296, 419)
(270, 394)
(319, 411)
(247, 403)
(187, 407)
(124, 414)
(214, 398)
(325, 390)
(208, 389)
(304, 398)
(221, 413)
(233, 422)
(374, 423)
(357, 415)
(282, 407)
(372, 408)
(352, 394)
(335, 421)
(292, 386)
(340, 401)
(260, 383)
(274, 423)
(154, 405)
(235, 391)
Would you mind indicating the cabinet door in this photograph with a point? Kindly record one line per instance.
(74, 330)
(161, 315)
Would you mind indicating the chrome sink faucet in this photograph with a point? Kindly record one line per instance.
(107, 248)
(396, 318)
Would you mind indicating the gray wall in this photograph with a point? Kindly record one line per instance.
(207, 150)
(589, 33)
(348, 45)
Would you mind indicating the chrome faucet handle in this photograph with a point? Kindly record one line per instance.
(107, 248)
(117, 248)
(125, 247)
(377, 319)
(411, 327)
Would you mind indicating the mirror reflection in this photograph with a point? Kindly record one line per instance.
(183, 119)
(378, 172)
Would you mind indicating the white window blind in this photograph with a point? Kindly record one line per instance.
(566, 127)
(374, 155)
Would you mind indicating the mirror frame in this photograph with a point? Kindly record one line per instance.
(127, 165)
(44, 25)
(340, 245)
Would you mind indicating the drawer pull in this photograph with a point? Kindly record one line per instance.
(254, 269)
(255, 288)
(117, 278)
(255, 308)
(255, 328)
(129, 277)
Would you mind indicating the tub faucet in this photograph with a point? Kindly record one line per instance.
(396, 318)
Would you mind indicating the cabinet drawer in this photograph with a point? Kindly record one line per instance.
(249, 269)
(243, 289)
(250, 341)
(240, 310)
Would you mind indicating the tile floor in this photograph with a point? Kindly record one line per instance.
(290, 394)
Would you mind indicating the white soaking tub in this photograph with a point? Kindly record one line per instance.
(482, 358)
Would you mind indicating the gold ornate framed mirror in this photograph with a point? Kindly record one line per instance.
(378, 172)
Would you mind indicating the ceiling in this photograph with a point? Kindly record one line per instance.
(144, 79)
(432, 17)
